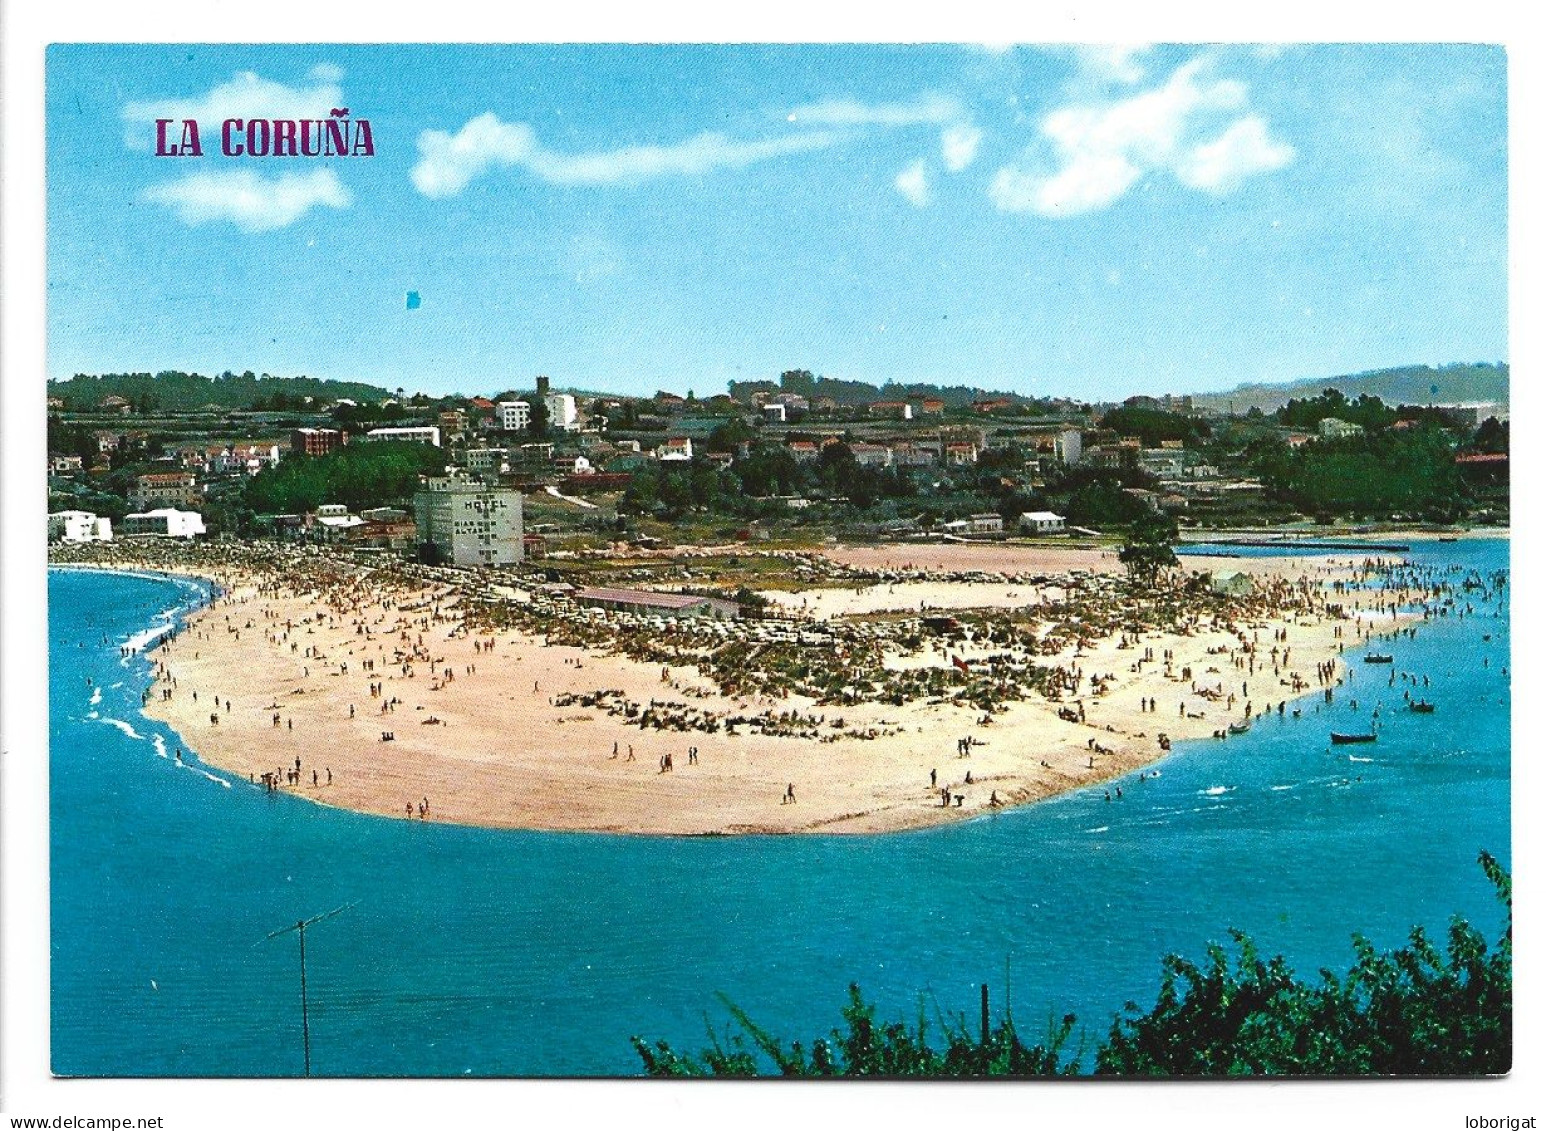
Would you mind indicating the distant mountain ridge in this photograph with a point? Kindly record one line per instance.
(1461, 383)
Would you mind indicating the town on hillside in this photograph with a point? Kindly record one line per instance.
(538, 471)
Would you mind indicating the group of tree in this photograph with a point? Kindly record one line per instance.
(1154, 426)
(1422, 1009)
(1409, 472)
(853, 394)
(1367, 411)
(359, 475)
(174, 391)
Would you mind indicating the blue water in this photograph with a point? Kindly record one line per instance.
(505, 953)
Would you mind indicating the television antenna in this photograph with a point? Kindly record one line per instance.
(299, 927)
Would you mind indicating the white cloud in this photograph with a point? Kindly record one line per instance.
(449, 162)
(958, 146)
(1244, 148)
(1112, 62)
(913, 183)
(246, 95)
(926, 110)
(251, 201)
(1093, 153)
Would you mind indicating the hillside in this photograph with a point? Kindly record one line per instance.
(171, 391)
(1411, 384)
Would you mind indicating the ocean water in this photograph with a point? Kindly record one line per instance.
(484, 953)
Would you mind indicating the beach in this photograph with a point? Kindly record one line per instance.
(382, 692)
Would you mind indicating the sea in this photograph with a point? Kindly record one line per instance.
(470, 952)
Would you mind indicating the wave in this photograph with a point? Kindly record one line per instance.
(1216, 790)
(142, 640)
(96, 696)
(1356, 758)
(160, 744)
(125, 727)
(1277, 788)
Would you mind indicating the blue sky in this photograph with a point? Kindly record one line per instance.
(1086, 222)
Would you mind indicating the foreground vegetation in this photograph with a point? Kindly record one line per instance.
(1419, 1010)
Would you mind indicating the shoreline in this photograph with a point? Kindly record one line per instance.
(562, 777)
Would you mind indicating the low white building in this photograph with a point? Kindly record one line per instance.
(79, 526)
(428, 434)
(166, 522)
(1042, 522)
(1333, 429)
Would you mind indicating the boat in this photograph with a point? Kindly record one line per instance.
(1448, 538)
(1379, 658)
(1239, 728)
(1423, 707)
(1340, 739)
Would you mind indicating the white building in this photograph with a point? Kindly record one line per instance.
(562, 411)
(514, 416)
(167, 522)
(79, 526)
(1069, 446)
(1042, 522)
(469, 522)
(676, 449)
(489, 460)
(428, 434)
(1333, 429)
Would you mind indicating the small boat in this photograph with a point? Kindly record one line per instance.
(1340, 739)
(1239, 728)
(1378, 658)
(1448, 538)
(1423, 707)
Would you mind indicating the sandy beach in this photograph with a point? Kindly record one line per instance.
(367, 691)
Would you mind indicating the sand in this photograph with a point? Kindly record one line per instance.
(490, 747)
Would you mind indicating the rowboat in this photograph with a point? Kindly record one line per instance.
(1239, 728)
(1378, 658)
(1340, 739)
(1423, 707)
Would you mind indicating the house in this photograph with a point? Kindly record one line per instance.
(60, 464)
(1333, 429)
(775, 413)
(960, 454)
(164, 487)
(562, 411)
(79, 526)
(677, 449)
(802, 450)
(164, 522)
(932, 406)
(1042, 522)
(316, 441)
(893, 410)
(453, 424)
(120, 405)
(870, 455)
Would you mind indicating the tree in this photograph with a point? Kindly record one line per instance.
(1149, 546)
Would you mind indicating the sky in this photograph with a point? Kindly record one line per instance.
(1090, 222)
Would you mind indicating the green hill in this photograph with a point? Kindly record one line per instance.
(173, 391)
(1460, 383)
